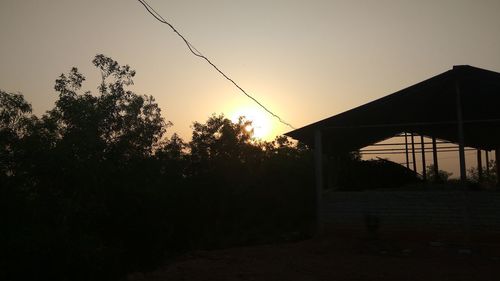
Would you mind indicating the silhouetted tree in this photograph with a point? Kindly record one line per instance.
(218, 137)
(77, 171)
(15, 119)
(93, 190)
(119, 123)
(442, 176)
(488, 178)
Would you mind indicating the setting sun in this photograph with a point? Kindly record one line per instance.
(261, 122)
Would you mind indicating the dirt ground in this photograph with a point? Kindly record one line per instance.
(342, 256)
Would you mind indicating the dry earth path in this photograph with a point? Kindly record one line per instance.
(337, 257)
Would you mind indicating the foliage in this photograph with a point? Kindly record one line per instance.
(14, 111)
(117, 122)
(488, 177)
(440, 177)
(15, 116)
(92, 189)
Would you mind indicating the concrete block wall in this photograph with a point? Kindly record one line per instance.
(414, 210)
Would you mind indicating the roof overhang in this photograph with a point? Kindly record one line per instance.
(428, 108)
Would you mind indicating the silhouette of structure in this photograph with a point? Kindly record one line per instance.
(460, 106)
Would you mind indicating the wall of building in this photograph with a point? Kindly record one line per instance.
(413, 210)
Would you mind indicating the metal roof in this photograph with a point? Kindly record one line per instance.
(427, 108)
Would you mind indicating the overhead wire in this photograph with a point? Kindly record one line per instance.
(197, 53)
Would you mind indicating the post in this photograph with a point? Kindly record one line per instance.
(461, 146)
(461, 153)
(318, 159)
(479, 166)
(406, 151)
(422, 145)
(413, 153)
(435, 159)
(487, 159)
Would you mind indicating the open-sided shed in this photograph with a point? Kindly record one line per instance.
(461, 105)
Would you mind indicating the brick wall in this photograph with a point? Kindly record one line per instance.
(414, 210)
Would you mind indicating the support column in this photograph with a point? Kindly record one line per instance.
(318, 163)
(487, 159)
(461, 145)
(413, 153)
(479, 166)
(406, 151)
(435, 159)
(424, 171)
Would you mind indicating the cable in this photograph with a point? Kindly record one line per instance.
(197, 53)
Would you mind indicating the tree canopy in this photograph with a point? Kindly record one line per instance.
(94, 189)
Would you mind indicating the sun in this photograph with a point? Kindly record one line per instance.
(261, 122)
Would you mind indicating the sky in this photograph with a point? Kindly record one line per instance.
(305, 60)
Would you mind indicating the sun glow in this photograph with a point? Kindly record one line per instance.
(261, 122)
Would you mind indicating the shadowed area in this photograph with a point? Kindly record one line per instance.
(340, 256)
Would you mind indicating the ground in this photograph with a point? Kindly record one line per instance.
(340, 256)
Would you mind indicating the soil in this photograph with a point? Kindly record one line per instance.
(340, 256)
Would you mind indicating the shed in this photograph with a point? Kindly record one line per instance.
(461, 105)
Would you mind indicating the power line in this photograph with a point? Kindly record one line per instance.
(197, 53)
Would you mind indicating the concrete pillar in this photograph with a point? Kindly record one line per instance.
(487, 160)
(424, 171)
(479, 166)
(435, 159)
(413, 153)
(460, 127)
(406, 151)
(318, 163)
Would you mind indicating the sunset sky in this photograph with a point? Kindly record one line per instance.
(304, 59)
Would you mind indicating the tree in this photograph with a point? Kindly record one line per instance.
(172, 157)
(80, 174)
(100, 191)
(219, 139)
(15, 111)
(116, 123)
(488, 177)
(15, 119)
(441, 176)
